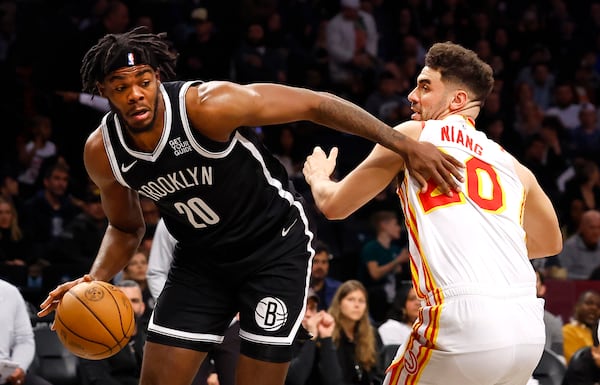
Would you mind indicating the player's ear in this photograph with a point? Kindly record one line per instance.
(100, 88)
(459, 100)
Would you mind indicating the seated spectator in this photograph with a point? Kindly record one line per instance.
(356, 340)
(34, 152)
(124, 367)
(583, 186)
(46, 214)
(17, 343)
(13, 248)
(405, 310)
(554, 324)
(385, 103)
(581, 331)
(323, 285)
(136, 270)
(311, 358)
(78, 244)
(380, 261)
(580, 254)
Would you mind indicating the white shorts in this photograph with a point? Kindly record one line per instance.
(473, 338)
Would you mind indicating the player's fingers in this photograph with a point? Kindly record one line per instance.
(420, 181)
(454, 166)
(47, 309)
(333, 154)
(441, 181)
(318, 150)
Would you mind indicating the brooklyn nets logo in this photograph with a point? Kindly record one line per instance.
(270, 314)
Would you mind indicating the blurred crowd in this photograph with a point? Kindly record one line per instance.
(544, 109)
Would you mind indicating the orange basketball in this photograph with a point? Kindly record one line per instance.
(94, 320)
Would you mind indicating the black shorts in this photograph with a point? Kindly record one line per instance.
(267, 286)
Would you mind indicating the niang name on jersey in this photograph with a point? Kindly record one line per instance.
(449, 134)
(178, 180)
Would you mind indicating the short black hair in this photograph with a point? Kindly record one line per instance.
(113, 51)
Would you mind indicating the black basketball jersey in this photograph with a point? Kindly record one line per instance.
(214, 195)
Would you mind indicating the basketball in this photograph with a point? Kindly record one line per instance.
(94, 320)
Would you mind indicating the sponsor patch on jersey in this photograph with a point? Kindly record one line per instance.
(179, 146)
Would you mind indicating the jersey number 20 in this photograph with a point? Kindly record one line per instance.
(489, 196)
(197, 212)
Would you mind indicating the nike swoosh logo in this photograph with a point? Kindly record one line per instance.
(128, 167)
(285, 231)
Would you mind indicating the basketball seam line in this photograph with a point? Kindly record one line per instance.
(120, 318)
(82, 337)
(98, 318)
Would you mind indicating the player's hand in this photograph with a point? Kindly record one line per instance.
(318, 164)
(426, 161)
(326, 325)
(54, 297)
(17, 377)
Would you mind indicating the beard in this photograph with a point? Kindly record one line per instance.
(137, 130)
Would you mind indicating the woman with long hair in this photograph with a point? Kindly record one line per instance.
(356, 340)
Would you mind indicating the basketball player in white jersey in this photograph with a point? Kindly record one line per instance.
(480, 322)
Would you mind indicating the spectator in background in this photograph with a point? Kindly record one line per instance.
(46, 214)
(581, 254)
(9, 188)
(34, 152)
(581, 331)
(554, 324)
(405, 310)
(320, 282)
(17, 343)
(352, 41)
(584, 186)
(355, 339)
(204, 55)
(380, 260)
(255, 62)
(124, 367)
(311, 358)
(78, 244)
(136, 270)
(13, 249)
(586, 137)
(385, 103)
(566, 106)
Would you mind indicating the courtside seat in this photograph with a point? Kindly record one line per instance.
(52, 360)
(550, 370)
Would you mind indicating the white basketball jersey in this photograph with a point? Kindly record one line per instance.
(473, 240)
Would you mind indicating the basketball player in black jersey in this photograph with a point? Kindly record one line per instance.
(243, 241)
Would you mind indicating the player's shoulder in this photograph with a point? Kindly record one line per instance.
(411, 128)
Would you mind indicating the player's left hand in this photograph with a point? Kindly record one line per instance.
(426, 161)
(318, 164)
(17, 377)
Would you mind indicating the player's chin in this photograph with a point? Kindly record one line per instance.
(416, 116)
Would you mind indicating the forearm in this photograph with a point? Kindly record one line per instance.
(344, 116)
(115, 251)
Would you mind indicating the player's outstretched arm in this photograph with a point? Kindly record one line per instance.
(539, 218)
(216, 108)
(338, 199)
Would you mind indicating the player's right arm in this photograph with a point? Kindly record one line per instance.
(539, 217)
(126, 223)
(338, 199)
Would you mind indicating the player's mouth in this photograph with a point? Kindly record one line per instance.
(140, 114)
